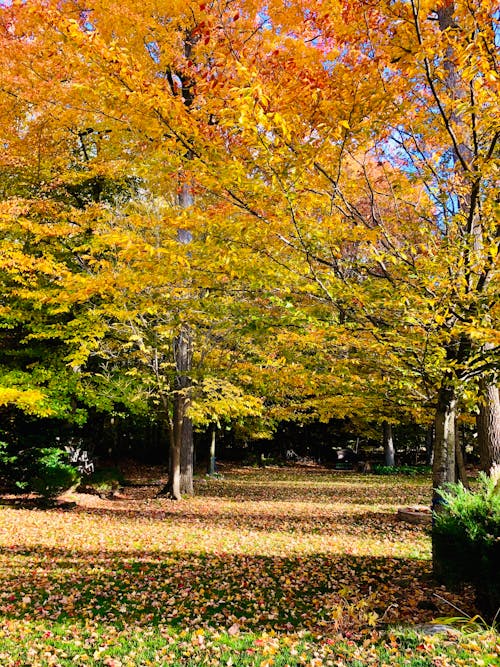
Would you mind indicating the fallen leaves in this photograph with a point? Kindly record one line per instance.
(296, 570)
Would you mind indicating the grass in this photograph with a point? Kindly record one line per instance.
(262, 567)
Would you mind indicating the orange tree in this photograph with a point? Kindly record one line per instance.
(145, 298)
(365, 142)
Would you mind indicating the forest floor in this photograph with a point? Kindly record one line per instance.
(269, 567)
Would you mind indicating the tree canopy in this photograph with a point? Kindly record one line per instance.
(312, 191)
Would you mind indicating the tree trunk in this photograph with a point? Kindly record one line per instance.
(389, 453)
(443, 469)
(180, 474)
(187, 454)
(429, 445)
(173, 488)
(211, 463)
(460, 471)
(488, 427)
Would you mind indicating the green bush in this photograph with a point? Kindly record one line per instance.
(7, 460)
(45, 471)
(475, 514)
(400, 470)
(49, 473)
(466, 540)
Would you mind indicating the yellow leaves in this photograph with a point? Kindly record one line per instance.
(32, 401)
(216, 400)
(269, 551)
(73, 29)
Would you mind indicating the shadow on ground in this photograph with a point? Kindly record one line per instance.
(185, 589)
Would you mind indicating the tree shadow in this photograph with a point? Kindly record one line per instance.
(184, 589)
(307, 523)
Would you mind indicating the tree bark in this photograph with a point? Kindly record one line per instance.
(173, 488)
(443, 469)
(461, 473)
(180, 478)
(429, 445)
(389, 452)
(488, 427)
(187, 455)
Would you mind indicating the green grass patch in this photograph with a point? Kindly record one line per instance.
(132, 646)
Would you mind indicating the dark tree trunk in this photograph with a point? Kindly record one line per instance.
(488, 427)
(443, 469)
(187, 456)
(389, 452)
(180, 474)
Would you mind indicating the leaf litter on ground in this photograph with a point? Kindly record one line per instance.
(261, 567)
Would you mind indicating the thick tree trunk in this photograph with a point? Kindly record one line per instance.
(187, 454)
(443, 469)
(488, 427)
(180, 474)
(389, 452)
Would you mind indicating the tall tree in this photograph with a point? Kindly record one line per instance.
(325, 144)
(386, 191)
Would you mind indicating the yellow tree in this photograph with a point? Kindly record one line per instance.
(102, 117)
(371, 132)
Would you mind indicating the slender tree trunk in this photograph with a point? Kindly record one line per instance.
(488, 427)
(182, 448)
(173, 488)
(183, 360)
(429, 444)
(211, 463)
(461, 473)
(389, 452)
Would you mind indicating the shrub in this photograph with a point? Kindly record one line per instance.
(49, 473)
(400, 470)
(45, 471)
(472, 513)
(466, 540)
(103, 481)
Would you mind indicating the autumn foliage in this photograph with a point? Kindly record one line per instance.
(308, 193)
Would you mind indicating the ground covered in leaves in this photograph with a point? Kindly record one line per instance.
(284, 566)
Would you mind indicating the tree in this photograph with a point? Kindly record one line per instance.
(386, 191)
